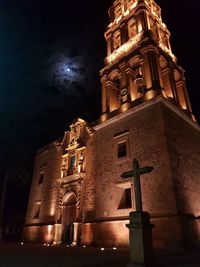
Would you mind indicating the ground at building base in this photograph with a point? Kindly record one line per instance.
(17, 255)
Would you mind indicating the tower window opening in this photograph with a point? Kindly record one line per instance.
(37, 210)
(41, 179)
(126, 201)
(122, 149)
(117, 40)
(132, 28)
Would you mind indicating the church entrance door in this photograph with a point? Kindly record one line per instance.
(69, 218)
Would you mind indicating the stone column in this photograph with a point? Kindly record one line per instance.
(104, 91)
(181, 94)
(79, 204)
(112, 96)
(75, 235)
(169, 83)
(133, 90)
(58, 234)
(124, 82)
(141, 15)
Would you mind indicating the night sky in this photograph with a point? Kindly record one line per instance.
(50, 55)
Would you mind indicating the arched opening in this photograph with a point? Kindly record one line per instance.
(132, 28)
(135, 71)
(116, 40)
(69, 216)
(167, 79)
(114, 89)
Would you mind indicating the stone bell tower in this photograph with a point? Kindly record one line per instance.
(146, 114)
(140, 64)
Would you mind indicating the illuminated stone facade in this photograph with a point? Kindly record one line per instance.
(77, 194)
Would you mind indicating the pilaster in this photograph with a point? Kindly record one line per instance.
(151, 67)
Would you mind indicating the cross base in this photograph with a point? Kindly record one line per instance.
(140, 236)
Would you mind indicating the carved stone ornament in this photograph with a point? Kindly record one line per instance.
(124, 91)
(75, 131)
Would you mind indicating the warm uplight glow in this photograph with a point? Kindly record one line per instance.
(139, 27)
(104, 117)
(79, 168)
(49, 234)
(124, 107)
(167, 50)
(52, 211)
(164, 94)
(150, 94)
(123, 49)
(50, 228)
(183, 105)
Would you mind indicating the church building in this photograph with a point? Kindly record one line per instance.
(78, 196)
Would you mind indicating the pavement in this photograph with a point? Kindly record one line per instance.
(26, 255)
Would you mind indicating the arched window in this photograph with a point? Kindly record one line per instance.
(72, 164)
(132, 28)
(117, 40)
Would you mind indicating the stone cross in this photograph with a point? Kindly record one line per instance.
(135, 173)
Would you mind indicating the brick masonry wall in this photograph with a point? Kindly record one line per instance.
(184, 148)
(147, 143)
(39, 234)
(88, 190)
(49, 163)
(116, 234)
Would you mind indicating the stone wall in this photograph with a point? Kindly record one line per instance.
(146, 137)
(115, 233)
(88, 191)
(184, 148)
(44, 194)
(39, 234)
